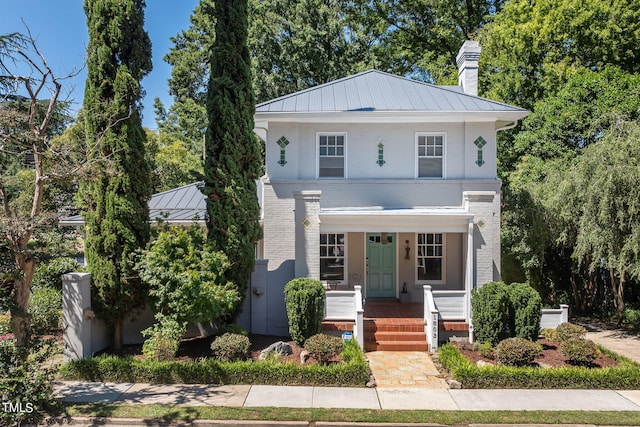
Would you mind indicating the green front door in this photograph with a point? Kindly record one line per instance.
(381, 263)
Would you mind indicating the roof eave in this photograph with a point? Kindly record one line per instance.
(391, 116)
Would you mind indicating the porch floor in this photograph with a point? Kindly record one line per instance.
(392, 309)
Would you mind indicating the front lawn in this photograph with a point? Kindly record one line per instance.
(624, 376)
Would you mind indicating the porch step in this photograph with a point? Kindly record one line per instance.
(455, 325)
(397, 346)
(394, 334)
(338, 326)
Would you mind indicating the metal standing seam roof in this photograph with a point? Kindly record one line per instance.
(184, 204)
(375, 90)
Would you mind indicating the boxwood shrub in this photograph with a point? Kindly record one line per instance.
(304, 299)
(353, 371)
(625, 376)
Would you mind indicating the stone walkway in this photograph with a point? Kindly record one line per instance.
(624, 343)
(404, 369)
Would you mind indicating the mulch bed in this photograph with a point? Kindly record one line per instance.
(551, 357)
(193, 349)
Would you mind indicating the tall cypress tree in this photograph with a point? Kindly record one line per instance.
(233, 160)
(114, 201)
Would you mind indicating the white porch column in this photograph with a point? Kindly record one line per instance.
(468, 280)
(307, 217)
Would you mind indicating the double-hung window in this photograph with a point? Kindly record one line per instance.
(430, 157)
(332, 251)
(430, 258)
(331, 155)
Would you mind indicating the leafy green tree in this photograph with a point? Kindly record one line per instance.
(423, 37)
(174, 165)
(530, 49)
(233, 155)
(186, 119)
(186, 278)
(114, 202)
(297, 44)
(606, 176)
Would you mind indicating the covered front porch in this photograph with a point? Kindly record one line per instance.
(390, 325)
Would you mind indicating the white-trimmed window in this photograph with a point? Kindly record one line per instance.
(332, 256)
(430, 155)
(331, 155)
(430, 258)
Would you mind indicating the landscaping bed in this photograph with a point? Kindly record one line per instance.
(551, 357)
(193, 365)
(624, 375)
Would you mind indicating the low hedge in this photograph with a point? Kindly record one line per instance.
(625, 376)
(351, 372)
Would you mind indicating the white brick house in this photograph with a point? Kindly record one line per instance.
(383, 182)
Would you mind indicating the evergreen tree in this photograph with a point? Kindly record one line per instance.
(233, 154)
(114, 203)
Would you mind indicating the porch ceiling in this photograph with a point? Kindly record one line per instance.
(377, 219)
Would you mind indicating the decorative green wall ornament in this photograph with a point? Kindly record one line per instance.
(282, 142)
(480, 142)
(380, 161)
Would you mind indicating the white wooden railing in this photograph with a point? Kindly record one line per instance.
(346, 305)
(452, 305)
(552, 317)
(430, 319)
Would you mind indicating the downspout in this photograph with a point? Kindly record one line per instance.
(509, 126)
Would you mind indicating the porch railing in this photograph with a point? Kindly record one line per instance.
(552, 317)
(347, 305)
(452, 305)
(430, 319)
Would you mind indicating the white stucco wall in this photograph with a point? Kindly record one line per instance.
(399, 142)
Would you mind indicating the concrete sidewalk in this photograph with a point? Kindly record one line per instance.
(345, 397)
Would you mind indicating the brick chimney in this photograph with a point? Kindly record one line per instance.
(467, 60)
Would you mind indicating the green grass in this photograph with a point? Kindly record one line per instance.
(183, 413)
(625, 376)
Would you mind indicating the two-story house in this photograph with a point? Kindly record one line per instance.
(382, 184)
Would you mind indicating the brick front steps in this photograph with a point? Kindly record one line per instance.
(394, 334)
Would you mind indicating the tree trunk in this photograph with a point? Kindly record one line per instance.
(117, 335)
(617, 286)
(20, 297)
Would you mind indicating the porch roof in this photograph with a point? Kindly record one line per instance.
(379, 219)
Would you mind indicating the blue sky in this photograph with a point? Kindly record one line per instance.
(59, 27)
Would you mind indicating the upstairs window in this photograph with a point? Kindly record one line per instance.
(331, 155)
(430, 155)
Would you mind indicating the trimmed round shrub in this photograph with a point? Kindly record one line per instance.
(550, 334)
(49, 274)
(524, 311)
(45, 309)
(517, 352)
(324, 347)
(570, 330)
(490, 312)
(232, 328)
(230, 347)
(579, 350)
(304, 299)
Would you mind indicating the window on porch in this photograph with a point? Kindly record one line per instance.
(430, 258)
(332, 255)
